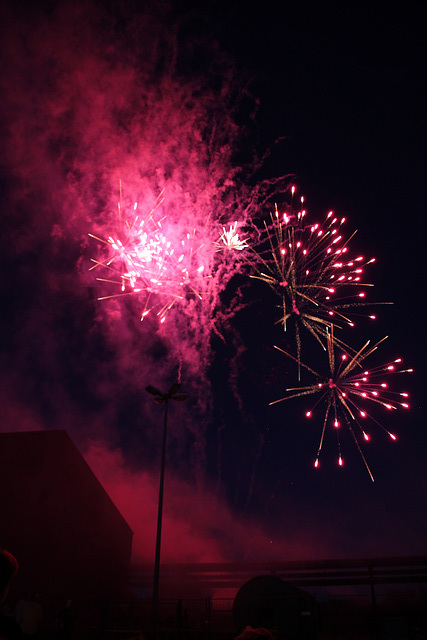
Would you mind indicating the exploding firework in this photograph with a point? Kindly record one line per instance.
(309, 268)
(162, 262)
(154, 260)
(231, 240)
(346, 391)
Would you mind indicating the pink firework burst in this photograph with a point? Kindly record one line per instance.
(165, 262)
(153, 259)
(310, 268)
(347, 390)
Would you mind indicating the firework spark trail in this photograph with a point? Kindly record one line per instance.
(345, 393)
(308, 266)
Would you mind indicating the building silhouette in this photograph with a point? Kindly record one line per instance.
(56, 518)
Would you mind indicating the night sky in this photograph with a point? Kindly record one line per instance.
(223, 107)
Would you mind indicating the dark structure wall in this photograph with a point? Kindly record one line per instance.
(55, 517)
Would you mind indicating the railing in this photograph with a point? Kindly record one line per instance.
(367, 598)
(299, 573)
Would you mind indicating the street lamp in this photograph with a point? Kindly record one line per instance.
(160, 397)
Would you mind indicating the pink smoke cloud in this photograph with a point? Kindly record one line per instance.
(95, 98)
(92, 96)
(198, 526)
(86, 109)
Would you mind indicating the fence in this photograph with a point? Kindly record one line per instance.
(375, 599)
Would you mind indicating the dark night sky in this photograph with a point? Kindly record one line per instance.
(151, 94)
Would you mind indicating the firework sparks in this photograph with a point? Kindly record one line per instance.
(160, 266)
(346, 390)
(230, 239)
(309, 268)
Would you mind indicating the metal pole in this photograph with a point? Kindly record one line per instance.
(161, 397)
(159, 530)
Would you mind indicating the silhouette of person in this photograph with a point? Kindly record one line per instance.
(29, 616)
(255, 634)
(9, 628)
(66, 621)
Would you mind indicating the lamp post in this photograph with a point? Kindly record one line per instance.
(160, 397)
